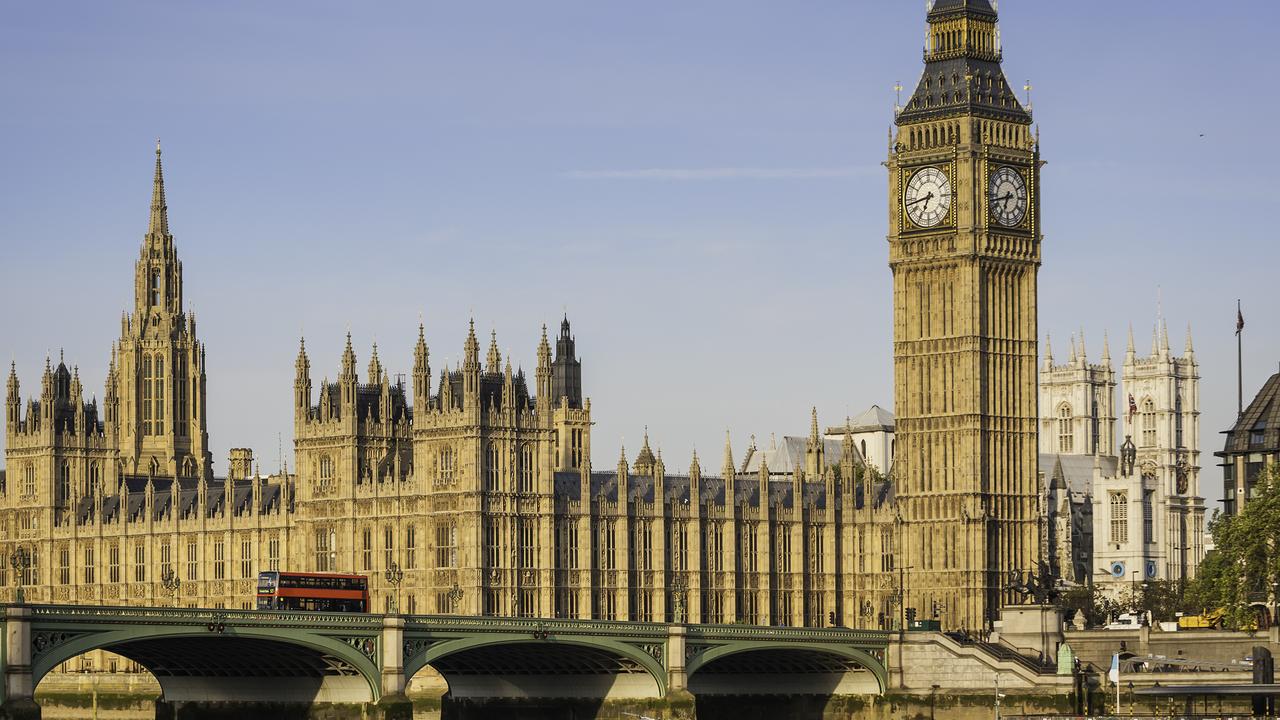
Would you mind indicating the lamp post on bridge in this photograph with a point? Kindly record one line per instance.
(394, 576)
(20, 561)
(171, 583)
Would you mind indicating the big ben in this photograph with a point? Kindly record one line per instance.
(964, 247)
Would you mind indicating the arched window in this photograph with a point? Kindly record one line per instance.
(325, 473)
(1066, 437)
(148, 379)
(864, 449)
(1148, 423)
(155, 288)
(526, 468)
(491, 468)
(29, 480)
(159, 395)
(1177, 421)
(64, 482)
(94, 485)
(446, 466)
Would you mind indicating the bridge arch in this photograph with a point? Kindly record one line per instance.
(515, 659)
(239, 663)
(830, 659)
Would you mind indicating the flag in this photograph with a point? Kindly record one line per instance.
(1239, 319)
(1114, 673)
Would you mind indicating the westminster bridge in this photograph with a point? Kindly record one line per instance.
(205, 658)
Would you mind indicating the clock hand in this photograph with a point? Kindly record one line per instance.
(924, 199)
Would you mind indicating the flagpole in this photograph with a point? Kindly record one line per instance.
(1239, 361)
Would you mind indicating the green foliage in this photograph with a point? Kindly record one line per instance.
(1245, 567)
(1097, 607)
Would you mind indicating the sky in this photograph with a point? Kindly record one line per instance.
(698, 185)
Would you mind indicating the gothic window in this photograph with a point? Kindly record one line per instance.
(1066, 438)
(219, 560)
(1148, 512)
(29, 479)
(64, 566)
(155, 288)
(447, 545)
(492, 543)
(326, 544)
(139, 562)
(1119, 517)
(147, 379)
(388, 546)
(64, 483)
(159, 396)
(95, 479)
(181, 383)
(528, 544)
(576, 448)
(366, 550)
(246, 559)
(113, 563)
(90, 567)
(273, 553)
(491, 468)
(166, 559)
(864, 449)
(446, 466)
(1177, 420)
(193, 560)
(410, 547)
(1148, 423)
(325, 472)
(526, 468)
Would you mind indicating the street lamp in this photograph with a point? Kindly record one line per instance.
(394, 576)
(171, 582)
(20, 561)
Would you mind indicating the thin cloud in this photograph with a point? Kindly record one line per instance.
(723, 173)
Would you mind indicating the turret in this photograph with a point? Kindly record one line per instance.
(544, 372)
(645, 460)
(566, 371)
(1189, 350)
(13, 401)
(421, 372)
(1048, 353)
(727, 468)
(695, 480)
(375, 366)
(347, 378)
(1106, 350)
(493, 362)
(302, 382)
(471, 367)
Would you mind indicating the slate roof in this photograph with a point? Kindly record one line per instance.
(1261, 420)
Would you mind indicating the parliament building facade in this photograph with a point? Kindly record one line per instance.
(477, 482)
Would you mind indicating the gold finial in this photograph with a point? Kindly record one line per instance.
(897, 104)
(1028, 89)
(157, 146)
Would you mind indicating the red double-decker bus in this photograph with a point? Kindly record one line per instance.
(314, 592)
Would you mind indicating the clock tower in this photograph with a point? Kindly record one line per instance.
(964, 247)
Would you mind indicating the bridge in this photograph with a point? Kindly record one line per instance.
(207, 658)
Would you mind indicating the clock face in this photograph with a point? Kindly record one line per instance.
(928, 197)
(1008, 197)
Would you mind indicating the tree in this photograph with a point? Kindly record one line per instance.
(1089, 599)
(1245, 567)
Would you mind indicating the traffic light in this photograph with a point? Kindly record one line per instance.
(911, 614)
(831, 618)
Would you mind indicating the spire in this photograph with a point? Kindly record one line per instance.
(1074, 356)
(375, 366)
(159, 223)
(1130, 352)
(1084, 354)
(471, 349)
(493, 362)
(1189, 348)
(1164, 338)
(1048, 352)
(645, 459)
(1106, 349)
(727, 467)
(813, 424)
(302, 364)
(544, 349)
(695, 467)
(348, 360)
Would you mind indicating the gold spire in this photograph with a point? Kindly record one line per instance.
(159, 223)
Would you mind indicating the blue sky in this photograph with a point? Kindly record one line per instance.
(699, 184)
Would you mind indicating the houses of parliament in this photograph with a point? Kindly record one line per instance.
(478, 483)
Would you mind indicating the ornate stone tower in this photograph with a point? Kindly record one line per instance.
(1077, 403)
(156, 391)
(964, 246)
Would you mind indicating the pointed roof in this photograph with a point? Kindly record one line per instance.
(874, 419)
(159, 222)
(962, 74)
(1260, 421)
(645, 459)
